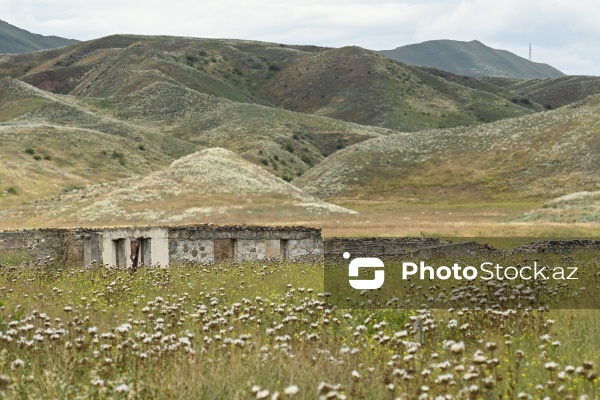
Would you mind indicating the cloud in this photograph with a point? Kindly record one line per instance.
(563, 32)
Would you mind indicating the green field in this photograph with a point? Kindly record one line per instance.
(257, 330)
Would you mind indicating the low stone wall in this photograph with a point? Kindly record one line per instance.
(559, 246)
(413, 247)
(64, 245)
(385, 247)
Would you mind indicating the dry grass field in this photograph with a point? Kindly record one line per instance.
(266, 331)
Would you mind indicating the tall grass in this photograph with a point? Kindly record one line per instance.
(258, 330)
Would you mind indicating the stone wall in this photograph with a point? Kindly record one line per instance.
(559, 246)
(384, 247)
(63, 245)
(208, 243)
(165, 245)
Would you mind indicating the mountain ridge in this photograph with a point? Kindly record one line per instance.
(471, 58)
(17, 40)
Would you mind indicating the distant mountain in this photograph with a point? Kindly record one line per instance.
(470, 59)
(16, 40)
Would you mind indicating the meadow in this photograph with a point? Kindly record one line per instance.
(265, 330)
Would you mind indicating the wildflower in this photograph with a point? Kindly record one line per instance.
(519, 354)
(18, 363)
(457, 348)
(551, 366)
(291, 390)
(262, 394)
(122, 388)
(97, 382)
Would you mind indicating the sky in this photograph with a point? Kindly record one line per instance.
(562, 33)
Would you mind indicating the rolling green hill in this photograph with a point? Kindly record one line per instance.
(16, 40)
(350, 84)
(52, 143)
(470, 59)
(551, 92)
(213, 183)
(532, 158)
(358, 85)
(81, 123)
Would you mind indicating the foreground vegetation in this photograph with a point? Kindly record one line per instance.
(266, 330)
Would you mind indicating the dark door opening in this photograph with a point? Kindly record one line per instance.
(224, 249)
(145, 251)
(120, 253)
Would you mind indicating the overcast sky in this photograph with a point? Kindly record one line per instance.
(563, 33)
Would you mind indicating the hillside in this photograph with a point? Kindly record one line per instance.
(358, 85)
(113, 113)
(470, 59)
(350, 84)
(551, 92)
(16, 40)
(537, 157)
(52, 143)
(570, 208)
(213, 183)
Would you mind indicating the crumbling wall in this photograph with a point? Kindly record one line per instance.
(62, 245)
(559, 246)
(165, 245)
(197, 243)
(375, 246)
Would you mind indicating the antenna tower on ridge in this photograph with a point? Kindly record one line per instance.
(529, 51)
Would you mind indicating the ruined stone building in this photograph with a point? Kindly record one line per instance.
(124, 247)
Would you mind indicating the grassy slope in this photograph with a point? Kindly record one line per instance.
(471, 59)
(534, 157)
(351, 84)
(554, 92)
(358, 85)
(95, 139)
(213, 183)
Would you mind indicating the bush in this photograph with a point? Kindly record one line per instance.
(12, 190)
(307, 159)
(47, 157)
(191, 58)
(274, 67)
(37, 157)
(29, 150)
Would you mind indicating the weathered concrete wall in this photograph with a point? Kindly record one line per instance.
(63, 245)
(116, 241)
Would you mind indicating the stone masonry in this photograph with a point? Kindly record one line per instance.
(165, 245)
